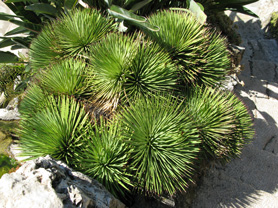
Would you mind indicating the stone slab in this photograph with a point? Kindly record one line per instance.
(255, 167)
(8, 115)
(219, 191)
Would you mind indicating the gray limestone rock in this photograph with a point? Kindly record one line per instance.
(8, 115)
(47, 183)
(2, 98)
(11, 111)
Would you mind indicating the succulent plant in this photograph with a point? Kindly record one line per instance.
(199, 53)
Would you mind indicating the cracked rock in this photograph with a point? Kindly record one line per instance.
(47, 183)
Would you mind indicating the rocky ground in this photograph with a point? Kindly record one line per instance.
(46, 183)
(251, 181)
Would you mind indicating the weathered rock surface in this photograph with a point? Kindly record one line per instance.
(2, 98)
(11, 111)
(9, 115)
(47, 183)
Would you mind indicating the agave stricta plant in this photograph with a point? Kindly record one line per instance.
(162, 142)
(66, 77)
(71, 36)
(155, 136)
(222, 120)
(33, 101)
(199, 54)
(54, 129)
(125, 67)
(106, 157)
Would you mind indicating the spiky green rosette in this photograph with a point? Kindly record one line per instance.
(44, 49)
(110, 60)
(199, 53)
(163, 144)
(223, 122)
(125, 67)
(33, 101)
(71, 36)
(106, 157)
(243, 132)
(65, 77)
(54, 129)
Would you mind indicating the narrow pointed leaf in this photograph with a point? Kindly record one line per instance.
(29, 26)
(124, 14)
(16, 47)
(6, 42)
(6, 17)
(16, 31)
(69, 4)
(23, 41)
(148, 26)
(42, 8)
(139, 5)
(244, 10)
(8, 57)
(237, 2)
(12, 1)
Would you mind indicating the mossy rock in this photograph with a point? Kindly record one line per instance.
(8, 127)
(273, 25)
(5, 141)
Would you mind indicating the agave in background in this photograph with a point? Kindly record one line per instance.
(200, 55)
(71, 36)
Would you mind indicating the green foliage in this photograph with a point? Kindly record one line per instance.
(79, 29)
(125, 68)
(222, 120)
(243, 132)
(133, 12)
(162, 142)
(44, 49)
(8, 74)
(71, 36)
(8, 57)
(222, 5)
(66, 77)
(153, 138)
(273, 25)
(106, 157)
(150, 72)
(54, 129)
(110, 60)
(200, 54)
(29, 16)
(6, 164)
(34, 100)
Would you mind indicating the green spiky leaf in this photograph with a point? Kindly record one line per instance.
(106, 158)
(163, 144)
(54, 130)
(200, 55)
